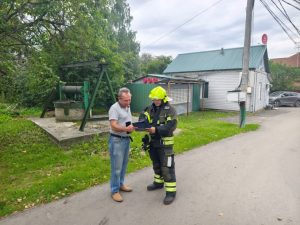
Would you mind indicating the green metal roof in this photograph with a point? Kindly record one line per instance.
(221, 59)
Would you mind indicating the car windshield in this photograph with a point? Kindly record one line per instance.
(276, 93)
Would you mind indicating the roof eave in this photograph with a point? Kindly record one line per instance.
(195, 71)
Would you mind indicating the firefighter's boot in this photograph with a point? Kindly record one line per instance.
(170, 197)
(154, 186)
(158, 183)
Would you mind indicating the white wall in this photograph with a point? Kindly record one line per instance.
(260, 95)
(220, 82)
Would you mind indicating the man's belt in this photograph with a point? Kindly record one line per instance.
(120, 136)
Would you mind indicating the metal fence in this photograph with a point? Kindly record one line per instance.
(186, 97)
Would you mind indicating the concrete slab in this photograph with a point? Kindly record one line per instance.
(65, 133)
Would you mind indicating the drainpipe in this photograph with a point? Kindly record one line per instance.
(187, 102)
(255, 83)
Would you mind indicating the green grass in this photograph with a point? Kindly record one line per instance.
(34, 170)
(202, 128)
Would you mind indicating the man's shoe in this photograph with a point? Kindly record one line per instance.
(125, 188)
(170, 197)
(117, 197)
(154, 186)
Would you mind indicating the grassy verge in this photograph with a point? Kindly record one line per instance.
(33, 170)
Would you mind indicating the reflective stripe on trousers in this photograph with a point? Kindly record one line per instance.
(158, 179)
(170, 186)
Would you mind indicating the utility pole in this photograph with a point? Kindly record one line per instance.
(246, 55)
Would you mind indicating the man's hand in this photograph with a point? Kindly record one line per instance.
(118, 128)
(129, 128)
(151, 130)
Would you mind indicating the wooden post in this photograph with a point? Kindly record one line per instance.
(246, 57)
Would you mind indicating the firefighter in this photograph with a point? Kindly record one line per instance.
(162, 118)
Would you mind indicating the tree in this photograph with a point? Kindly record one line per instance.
(24, 27)
(283, 77)
(154, 64)
(128, 48)
(37, 37)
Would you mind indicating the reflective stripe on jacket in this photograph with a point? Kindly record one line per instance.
(164, 119)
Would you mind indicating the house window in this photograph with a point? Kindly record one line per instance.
(205, 90)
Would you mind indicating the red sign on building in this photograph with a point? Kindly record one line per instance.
(264, 39)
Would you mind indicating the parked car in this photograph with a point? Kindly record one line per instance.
(288, 98)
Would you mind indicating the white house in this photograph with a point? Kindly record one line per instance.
(221, 70)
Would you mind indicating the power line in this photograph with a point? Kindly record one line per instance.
(284, 13)
(281, 24)
(187, 21)
(297, 1)
(289, 19)
(278, 20)
(292, 4)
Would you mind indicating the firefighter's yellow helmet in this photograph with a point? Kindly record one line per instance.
(159, 93)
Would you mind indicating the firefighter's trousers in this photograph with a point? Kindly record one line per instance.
(164, 167)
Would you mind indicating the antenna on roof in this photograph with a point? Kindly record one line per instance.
(222, 51)
(298, 52)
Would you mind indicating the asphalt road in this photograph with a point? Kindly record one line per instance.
(248, 179)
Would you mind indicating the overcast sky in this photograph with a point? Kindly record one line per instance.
(171, 27)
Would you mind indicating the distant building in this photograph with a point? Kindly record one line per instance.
(292, 61)
(220, 70)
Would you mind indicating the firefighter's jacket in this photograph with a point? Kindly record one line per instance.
(164, 119)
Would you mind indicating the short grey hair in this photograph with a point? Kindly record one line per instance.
(123, 90)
